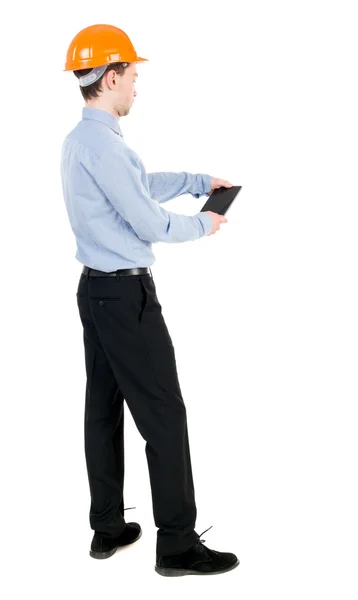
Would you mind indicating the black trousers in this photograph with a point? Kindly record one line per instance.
(129, 355)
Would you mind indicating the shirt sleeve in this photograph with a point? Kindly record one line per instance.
(165, 186)
(119, 175)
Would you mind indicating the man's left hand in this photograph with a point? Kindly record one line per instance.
(216, 183)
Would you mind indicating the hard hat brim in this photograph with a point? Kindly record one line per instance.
(137, 60)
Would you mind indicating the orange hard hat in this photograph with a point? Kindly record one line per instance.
(100, 45)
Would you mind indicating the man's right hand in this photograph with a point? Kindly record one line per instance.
(217, 220)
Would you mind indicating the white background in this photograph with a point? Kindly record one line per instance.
(263, 314)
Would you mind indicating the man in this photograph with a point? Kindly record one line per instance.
(115, 212)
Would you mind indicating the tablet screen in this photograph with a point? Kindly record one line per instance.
(221, 199)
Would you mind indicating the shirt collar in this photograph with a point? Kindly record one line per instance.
(102, 116)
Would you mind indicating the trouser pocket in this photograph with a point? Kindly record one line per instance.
(139, 298)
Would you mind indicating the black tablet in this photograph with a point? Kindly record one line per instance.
(221, 199)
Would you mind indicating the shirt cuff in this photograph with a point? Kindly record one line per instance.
(206, 184)
(206, 221)
(203, 185)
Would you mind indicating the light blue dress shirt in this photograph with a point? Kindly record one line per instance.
(113, 205)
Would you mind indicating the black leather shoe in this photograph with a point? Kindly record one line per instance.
(104, 547)
(198, 560)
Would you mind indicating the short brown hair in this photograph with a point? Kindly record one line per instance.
(91, 91)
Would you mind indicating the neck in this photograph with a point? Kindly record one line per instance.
(103, 106)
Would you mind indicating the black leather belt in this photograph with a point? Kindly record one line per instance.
(137, 271)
